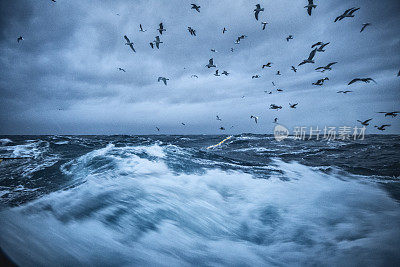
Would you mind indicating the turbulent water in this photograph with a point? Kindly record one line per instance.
(167, 200)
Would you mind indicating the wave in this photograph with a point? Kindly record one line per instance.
(132, 208)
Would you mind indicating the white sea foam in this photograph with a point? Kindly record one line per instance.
(135, 210)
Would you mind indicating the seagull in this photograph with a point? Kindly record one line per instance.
(344, 92)
(157, 42)
(255, 118)
(141, 28)
(273, 106)
(321, 48)
(327, 67)
(210, 63)
(273, 83)
(20, 39)
(310, 58)
(152, 45)
(255, 76)
(278, 73)
(218, 118)
(233, 49)
(365, 25)
(161, 29)
(213, 50)
(54, 1)
(128, 42)
(183, 124)
(225, 73)
(347, 14)
(294, 69)
(266, 91)
(222, 128)
(194, 76)
(237, 41)
(293, 106)
(216, 73)
(290, 37)
(319, 43)
(365, 123)
(268, 65)
(264, 24)
(257, 10)
(224, 30)
(321, 81)
(310, 6)
(276, 120)
(382, 128)
(121, 69)
(192, 31)
(163, 79)
(366, 80)
(158, 129)
(194, 6)
(393, 114)
(279, 90)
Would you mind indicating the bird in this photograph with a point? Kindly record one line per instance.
(224, 30)
(141, 28)
(121, 69)
(157, 42)
(222, 128)
(161, 28)
(218, 118)
(310, 58)
(210, 63)
(257, 10)
(54, 1)
(192, 31)
(268, 65)
(163, 79)
(365, 123)
(321, 48)
(194, 76)
(269, 92)
(366, 80)
(255, 118)
(319, 43)
(158, 129)
(347, 14)
(290, 37)
(213, 50)
(278, 73)
(194, 6)
(310, 6)
(216, 73)
(293, 106)
(393, 114)
(151, 45)
(184, 124)
(279, 90)
(344, 92)
(327, 67)
(20, 39)
(276, 120)
(365, 25)
(264, 24)
(255, 76)
(233, 49)
(320, 82)
(273, 83)
(273, 106)
(225, 73)
(294, 69)
(128, 42)
(382, 128)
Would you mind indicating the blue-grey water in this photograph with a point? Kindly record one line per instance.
(168, 201)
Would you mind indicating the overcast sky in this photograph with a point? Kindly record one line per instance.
(63, 78)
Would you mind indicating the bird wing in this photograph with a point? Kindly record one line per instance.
(314, 45)
(160, 78)
(152, 45)
(309, 9)
(330, 64)
(161, 26)
(354, 80)
(133, 49)
(352, 11)
(127, 39)
(370, 79)
(211, 61)
(312, 54)
(165, 81)
(140, 25)
(256, 14)
(367, 120)
(319, 68)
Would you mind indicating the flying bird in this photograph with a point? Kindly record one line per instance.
(278, 73)
(225, 73)
(194, 76)
(344, 92)
(347, 14)
(157, 42)
(366, 80)
(276, 120)
(382, 128)
(210, 63)
(255, 76)
(293, 106)
(365, 123)
(294, 69)
(121, 69)
(319, 43)
(161, 28)
(290, 37)
(20, 39)
(213, 50)
(257, 10)
(321, 81)
(233, 49)
(141, 28)
(194, 6)
(273, 83)
(183, 124)
(216, 73)
(392, 114)
(327, 67)
(192, 31)
(163, 79)
(273, 106)
(268, 65)
(218, 118)
(310, 58)
(279, 90)
(224, 30)
(264, 24)
(128, 42)
(151, 45)
(310, 6)
(222, 128)
(158, 129)
(321, 48)
(255, 118)
(365, 25)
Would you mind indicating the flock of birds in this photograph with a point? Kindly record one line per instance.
(318, 47)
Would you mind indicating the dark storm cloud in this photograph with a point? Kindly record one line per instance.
(63, 77)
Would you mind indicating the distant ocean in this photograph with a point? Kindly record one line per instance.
(169, 201)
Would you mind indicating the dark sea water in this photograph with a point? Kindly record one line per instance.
(168, 201)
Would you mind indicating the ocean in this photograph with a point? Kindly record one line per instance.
(170, 201)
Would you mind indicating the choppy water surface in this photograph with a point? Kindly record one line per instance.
(167, 200)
